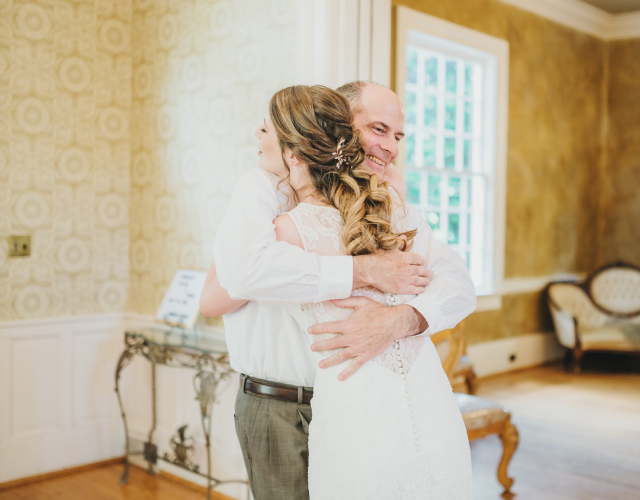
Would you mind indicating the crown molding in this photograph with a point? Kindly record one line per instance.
(584, 17)
(623, 26)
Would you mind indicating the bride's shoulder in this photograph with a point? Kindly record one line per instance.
(287, 231)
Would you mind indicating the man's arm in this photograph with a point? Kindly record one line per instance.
(214, 300)
(451, 294)
(253, 265)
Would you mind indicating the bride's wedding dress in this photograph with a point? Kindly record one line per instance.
(392, 431)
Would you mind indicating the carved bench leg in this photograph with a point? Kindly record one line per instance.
(509, 438)
(471, 381)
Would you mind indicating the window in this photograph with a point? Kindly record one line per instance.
(454, 153)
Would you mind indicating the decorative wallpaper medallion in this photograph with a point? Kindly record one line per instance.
(65, 107)
(202, 76)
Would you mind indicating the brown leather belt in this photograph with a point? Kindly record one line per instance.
(275, 390)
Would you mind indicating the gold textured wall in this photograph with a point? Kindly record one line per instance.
(203, 73)
(620, 185)
(556, 78)
(65, 101)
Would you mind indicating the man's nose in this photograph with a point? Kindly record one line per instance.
(257, 133)
(390, 145)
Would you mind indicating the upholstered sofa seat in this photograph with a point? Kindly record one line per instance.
(614, 337)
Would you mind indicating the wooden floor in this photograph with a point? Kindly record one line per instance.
(579, 439)
(579, 434)
(102, 484)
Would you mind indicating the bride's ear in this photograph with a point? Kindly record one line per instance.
(292, 161)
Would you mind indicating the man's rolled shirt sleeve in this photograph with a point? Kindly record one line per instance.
(252, 265)
(451, 295)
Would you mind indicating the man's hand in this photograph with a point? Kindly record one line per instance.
(391, 271)
(367, 333)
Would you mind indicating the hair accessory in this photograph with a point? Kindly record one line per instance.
(339, 156)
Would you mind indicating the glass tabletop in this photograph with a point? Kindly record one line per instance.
(167, 336)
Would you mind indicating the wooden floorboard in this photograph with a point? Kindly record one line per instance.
(579, 439)
(579, 435)
(102, 484)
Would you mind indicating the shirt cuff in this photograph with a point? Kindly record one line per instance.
(336, 278)
(431, 311)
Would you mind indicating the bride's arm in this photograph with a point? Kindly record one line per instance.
(287, 231)
(214, 300)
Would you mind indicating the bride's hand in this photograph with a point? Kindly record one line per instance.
(368, 332)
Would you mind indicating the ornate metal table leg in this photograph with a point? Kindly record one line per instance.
(151, 451)
(206, 384)
(125, 359)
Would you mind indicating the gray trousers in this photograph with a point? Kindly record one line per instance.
(274, 439)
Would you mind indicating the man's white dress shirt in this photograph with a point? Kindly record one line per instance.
(264, 341)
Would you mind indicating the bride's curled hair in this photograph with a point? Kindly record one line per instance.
(311, 121)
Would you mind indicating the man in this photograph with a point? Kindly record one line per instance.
(265, 344)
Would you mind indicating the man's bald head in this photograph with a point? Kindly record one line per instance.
(379, 116)
(353, 90)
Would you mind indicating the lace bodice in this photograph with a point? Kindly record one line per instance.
(321, 230)
(392, 431)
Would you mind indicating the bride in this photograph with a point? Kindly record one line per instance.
(392, 431)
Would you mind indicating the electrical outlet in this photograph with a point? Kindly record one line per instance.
(19, 246)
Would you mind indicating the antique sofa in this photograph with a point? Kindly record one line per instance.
(601, 313)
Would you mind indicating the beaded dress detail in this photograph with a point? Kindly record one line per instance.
(392, 431)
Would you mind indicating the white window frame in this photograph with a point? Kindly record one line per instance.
(422, 30)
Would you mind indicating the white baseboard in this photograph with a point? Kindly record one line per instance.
(529, 350)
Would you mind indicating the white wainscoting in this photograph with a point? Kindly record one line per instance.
(532, 349)
(58, 408)
(57, 405)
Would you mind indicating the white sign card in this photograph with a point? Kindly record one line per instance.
(181, 303)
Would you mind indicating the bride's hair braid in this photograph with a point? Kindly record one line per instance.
(313, 121)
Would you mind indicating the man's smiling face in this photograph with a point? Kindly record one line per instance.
(380, 117)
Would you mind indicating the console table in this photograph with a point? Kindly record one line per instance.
(176, 347)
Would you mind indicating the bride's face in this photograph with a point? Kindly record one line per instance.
(270, 152)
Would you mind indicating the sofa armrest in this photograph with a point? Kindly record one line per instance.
(565, 326)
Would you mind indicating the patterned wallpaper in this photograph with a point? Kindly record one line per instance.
(123, 128)
(203, 73)
(65, 101)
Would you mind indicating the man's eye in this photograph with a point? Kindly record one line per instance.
(378, 129)
(264, 130)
